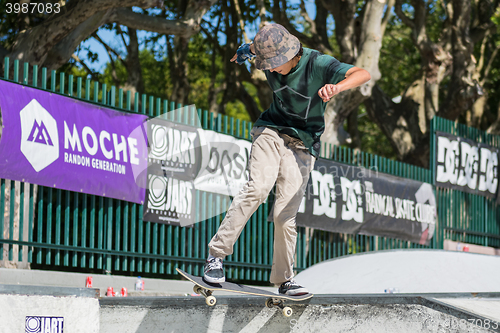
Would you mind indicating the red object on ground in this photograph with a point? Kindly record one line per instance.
(110, 292)
(88, 284)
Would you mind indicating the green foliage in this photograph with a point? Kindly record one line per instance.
(373, 141)
(492, 84)
(399, 59)
(400, 66)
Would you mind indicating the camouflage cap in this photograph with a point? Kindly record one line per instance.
(274, 46)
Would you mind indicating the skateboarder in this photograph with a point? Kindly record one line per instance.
(285, 145)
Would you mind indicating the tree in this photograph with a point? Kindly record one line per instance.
(445, 85)
(50, 40)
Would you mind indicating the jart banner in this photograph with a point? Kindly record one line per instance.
(465, 165)
(348, 199)
(183, 159)
(174, 159)
(60, 142)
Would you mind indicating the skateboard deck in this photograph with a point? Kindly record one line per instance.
(274, 300)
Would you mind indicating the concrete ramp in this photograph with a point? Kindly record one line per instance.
(323, 313)
(404, 271)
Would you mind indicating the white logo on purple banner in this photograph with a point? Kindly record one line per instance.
(35, 324)
(39, 136)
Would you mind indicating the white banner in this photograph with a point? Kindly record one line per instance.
(224, 163)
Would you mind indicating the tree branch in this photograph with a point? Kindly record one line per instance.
(185, 27)
(490, 63)
(280, 17)
(305, 15)
(84, 65)
(62, 51)
(155, 24)
(240, 19)
(402, 16)
(108, 48)
(262, 12)
(387, 15)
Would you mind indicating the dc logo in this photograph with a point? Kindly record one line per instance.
(39, 136)
(352, 196)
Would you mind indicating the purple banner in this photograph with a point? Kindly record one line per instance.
(60, 142)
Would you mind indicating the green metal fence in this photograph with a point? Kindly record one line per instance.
(62, 230)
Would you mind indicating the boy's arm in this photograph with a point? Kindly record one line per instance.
(354, 77)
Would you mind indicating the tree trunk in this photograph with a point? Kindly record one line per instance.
(463, 91)
(400, 123)
(343, 12)
(370, 43)
(59, 54)
(494, 129)
(179, 70)
(135, 81)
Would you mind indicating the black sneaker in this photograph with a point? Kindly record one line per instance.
(292, 288)
(214, 271)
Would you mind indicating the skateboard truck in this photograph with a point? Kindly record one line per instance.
(279, 303)
(209, 299)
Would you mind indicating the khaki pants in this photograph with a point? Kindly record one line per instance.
(274, 159)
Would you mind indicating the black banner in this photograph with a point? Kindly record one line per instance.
(465, 165)
(349, 199)
(399, 208)
(174, 150)
(169, 200)
(174, 160)
(334, 198)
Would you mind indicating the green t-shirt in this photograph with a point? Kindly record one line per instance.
(297, 110)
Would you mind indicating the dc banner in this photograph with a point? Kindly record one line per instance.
(465, 165)
(399, 208)
(348, 199)
(56, 141)
(174, 159)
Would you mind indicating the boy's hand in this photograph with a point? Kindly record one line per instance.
(328, 91)
(243, 53)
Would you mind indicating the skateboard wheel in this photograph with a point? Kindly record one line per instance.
(287, 311)
(270, 303)
(197, 290)
(210, 300)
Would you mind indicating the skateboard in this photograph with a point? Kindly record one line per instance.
(273, 300)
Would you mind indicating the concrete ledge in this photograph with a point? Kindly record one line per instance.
(323, 313)
(14, 289)
(102, 282)
(234, 299)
